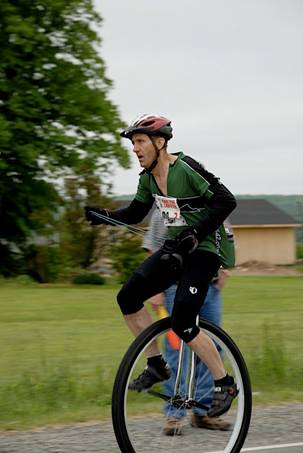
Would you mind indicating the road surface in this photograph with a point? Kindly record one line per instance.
(274, 429)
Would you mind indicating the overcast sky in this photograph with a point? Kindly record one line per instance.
(229, 74)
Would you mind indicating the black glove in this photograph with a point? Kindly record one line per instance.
(93, 216)
(175, 250)
(187, 242)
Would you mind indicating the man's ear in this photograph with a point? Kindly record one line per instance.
(160, 143)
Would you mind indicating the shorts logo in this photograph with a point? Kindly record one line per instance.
(193, 290)
(188, 330)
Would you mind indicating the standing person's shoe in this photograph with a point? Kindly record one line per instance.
(150, 376)
(203, 421)
(224, 394)
(173, 426)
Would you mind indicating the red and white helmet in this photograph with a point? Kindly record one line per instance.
(149, 125)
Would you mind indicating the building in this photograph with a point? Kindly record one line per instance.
(263, 233)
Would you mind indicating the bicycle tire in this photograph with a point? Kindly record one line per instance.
(120, 388)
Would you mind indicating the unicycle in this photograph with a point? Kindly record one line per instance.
(138, 416)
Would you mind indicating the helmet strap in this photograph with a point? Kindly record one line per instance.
(155, 162)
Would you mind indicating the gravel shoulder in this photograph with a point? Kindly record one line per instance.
(270, 425)
(258, 269)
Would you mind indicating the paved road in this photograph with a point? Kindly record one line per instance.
(271, 426)
(284, 448)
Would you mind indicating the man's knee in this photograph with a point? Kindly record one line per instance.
(128, 297)
(186, 330)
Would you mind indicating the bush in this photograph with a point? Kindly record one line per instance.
(300, 250)
(44, 263)
(88, 279)
(20, 280)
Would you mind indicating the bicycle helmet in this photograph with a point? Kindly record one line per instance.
(149, 125)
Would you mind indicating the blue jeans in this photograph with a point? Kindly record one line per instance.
(210, 310)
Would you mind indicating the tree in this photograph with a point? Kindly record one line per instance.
(126, 254)
(55, 115)
(81, 243)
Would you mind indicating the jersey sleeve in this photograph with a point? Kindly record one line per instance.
(137, 209)
(219, 201)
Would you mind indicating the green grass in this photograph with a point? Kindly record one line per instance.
(61, 346)
(264, 316)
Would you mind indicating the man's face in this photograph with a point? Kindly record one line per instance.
(144, 149)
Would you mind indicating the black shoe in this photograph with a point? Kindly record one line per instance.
(222, 399)
(149, 377)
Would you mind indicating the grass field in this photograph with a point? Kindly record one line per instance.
(61, 346)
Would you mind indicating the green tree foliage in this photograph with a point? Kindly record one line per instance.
(56, 118)
(126, 254)
(81, 243)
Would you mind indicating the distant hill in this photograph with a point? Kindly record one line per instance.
(124, 197)
(291, 204)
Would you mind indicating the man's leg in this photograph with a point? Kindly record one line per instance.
(171, 355)
(198, 271)
(211, 310)
(152, 277)
(174, 415)
(139, 321)
(204, 348)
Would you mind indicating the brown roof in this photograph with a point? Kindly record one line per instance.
(259, 212)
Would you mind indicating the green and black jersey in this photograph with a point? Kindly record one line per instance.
(195, 198)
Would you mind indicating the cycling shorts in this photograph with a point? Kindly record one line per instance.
(154, 275)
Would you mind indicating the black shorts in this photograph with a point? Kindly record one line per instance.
(155, 275)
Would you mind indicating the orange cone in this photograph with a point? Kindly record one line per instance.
(173, 339)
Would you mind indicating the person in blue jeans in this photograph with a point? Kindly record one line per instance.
(211, 310)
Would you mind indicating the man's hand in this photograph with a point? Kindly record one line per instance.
(157, 300)
(96, 216)
(223, 274)
(175, 250)
(187, 241)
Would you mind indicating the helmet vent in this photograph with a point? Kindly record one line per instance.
(147, 123)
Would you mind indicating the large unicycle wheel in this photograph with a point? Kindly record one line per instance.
(138, 417)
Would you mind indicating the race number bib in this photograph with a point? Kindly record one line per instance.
(170, 211)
